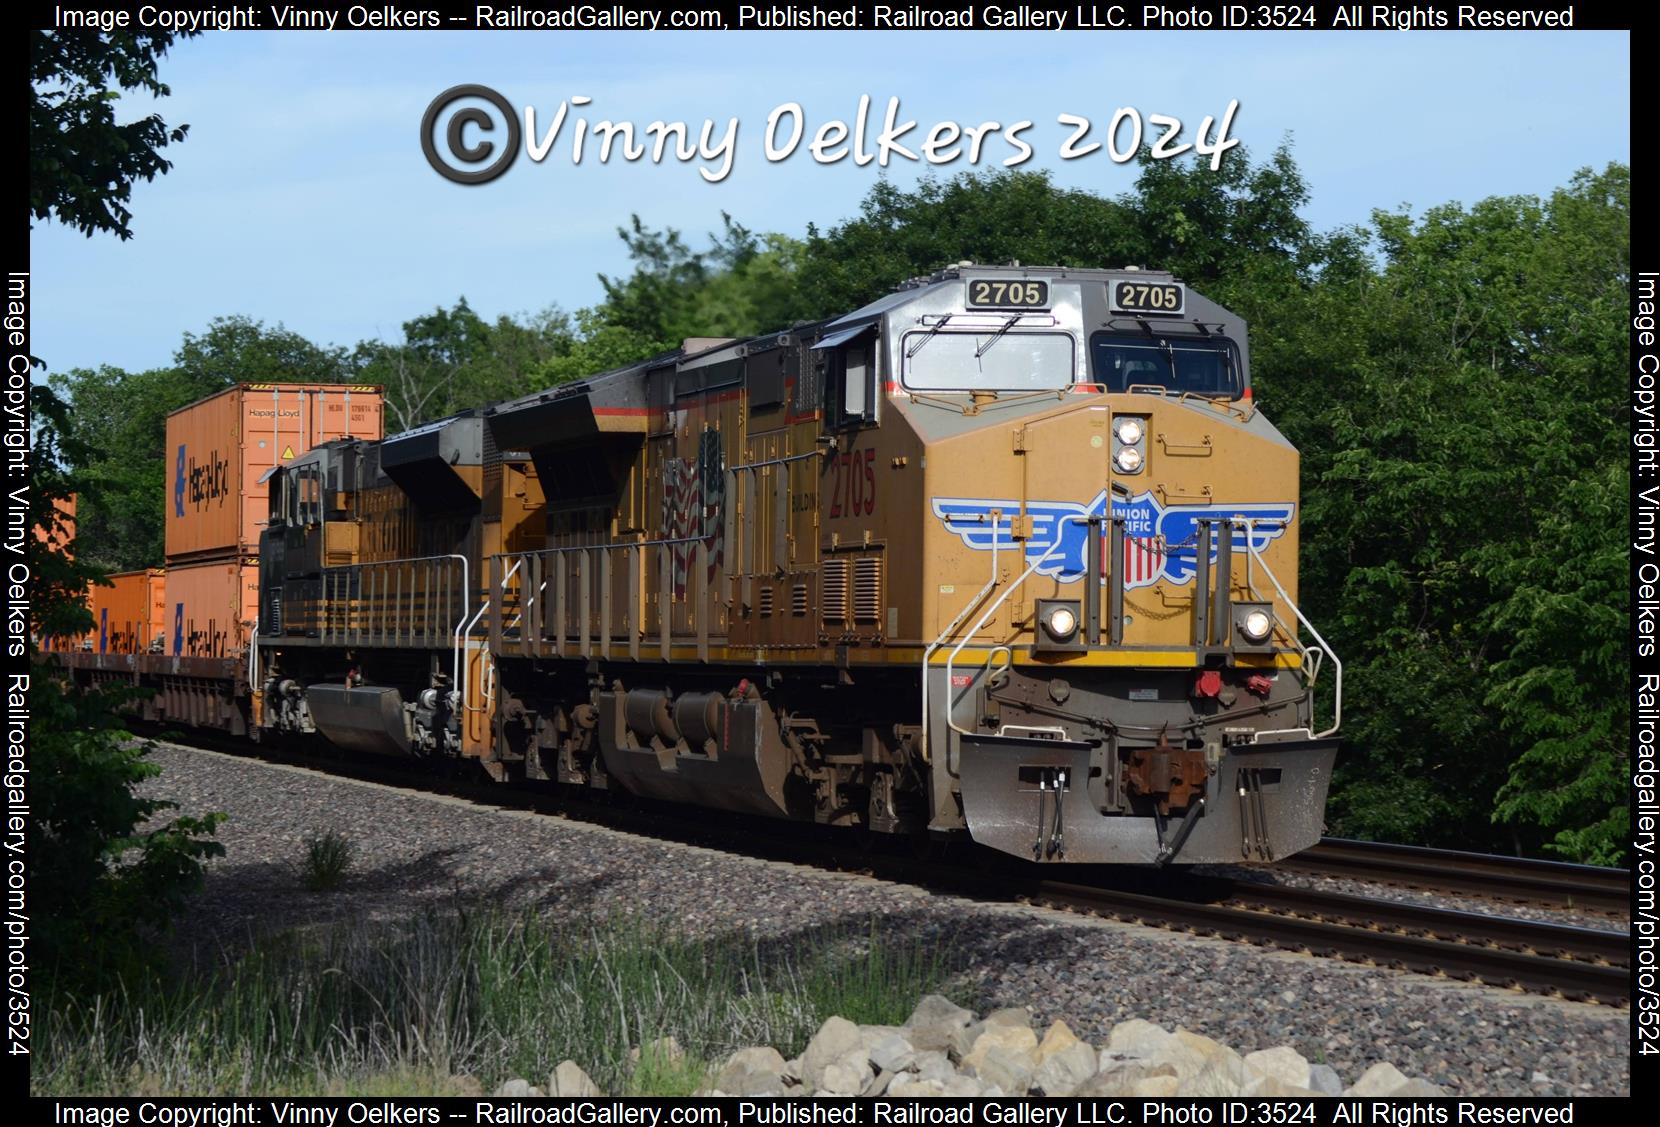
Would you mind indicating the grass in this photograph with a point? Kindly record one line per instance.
(328, 856)
(421, 1005)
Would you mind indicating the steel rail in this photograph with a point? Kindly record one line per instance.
(1514, 879)
(1506, 966)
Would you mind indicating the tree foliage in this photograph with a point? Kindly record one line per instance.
(1466, 503)
(83, 163)
(999, 217)
(107, 869)
(451, 359)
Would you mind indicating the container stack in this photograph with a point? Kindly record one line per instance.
(223, 449)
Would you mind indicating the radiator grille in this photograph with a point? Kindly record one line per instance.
(798, 600)
(835, 590)
(764, 600)
(867, 589)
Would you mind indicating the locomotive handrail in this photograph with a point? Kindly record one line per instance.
(1324, 647)
(816, 453)
(483, 606)
(461, 625)
(968, 608)
(487, 679)
(533, 592)
(991, 610)
(519, 558)
(604, 547)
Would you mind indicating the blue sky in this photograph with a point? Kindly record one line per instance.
(301, 195)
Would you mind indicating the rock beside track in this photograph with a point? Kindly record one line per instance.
(1004, 1055)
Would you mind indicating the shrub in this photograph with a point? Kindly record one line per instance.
(328, 856)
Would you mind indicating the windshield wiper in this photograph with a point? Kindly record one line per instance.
(928, 336)
(995, 337)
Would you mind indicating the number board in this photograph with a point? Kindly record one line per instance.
(1007, 293)
(1146, 297)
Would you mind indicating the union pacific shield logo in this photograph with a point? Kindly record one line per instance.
(1159, 543)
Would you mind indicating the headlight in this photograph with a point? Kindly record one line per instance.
(1057, 625)
(1256, 625)
(1129, 431)
(1062, 622)
(1128, 459)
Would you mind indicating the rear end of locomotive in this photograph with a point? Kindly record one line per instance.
(1114, 667)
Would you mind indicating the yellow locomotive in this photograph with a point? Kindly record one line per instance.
(1009, 552)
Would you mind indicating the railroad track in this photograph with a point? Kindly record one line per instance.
(1574, 962)
(1579, 963)
(1518, 880)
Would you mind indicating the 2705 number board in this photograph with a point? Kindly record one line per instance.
(1007, 293)
(1147, 297)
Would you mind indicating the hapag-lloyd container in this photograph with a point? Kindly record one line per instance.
(221, 446)
(128, 617)
(211, 607)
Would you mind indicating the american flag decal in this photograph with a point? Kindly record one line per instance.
(1143, 561)
(694, 495)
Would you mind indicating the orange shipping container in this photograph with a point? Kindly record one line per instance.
(211, 607)
(222, 446)
(129, 617)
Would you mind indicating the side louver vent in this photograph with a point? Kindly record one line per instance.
(834, 572)
(867, 589)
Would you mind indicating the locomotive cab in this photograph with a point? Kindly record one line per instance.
(1114, 669)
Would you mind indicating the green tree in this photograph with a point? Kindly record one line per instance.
(1465, 507)
(107, 868)
(82, 162)
(242, 350)
(993, 217)
(1220, 231)
(740, 284)
(452, 359)
(122, 418)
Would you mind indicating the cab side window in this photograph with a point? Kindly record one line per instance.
(311, 495)
(850, 384)
(856, 370)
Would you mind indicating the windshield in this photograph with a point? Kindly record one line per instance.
(1202, 365)
(993, 359)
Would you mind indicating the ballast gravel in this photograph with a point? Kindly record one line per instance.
(416, 851)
